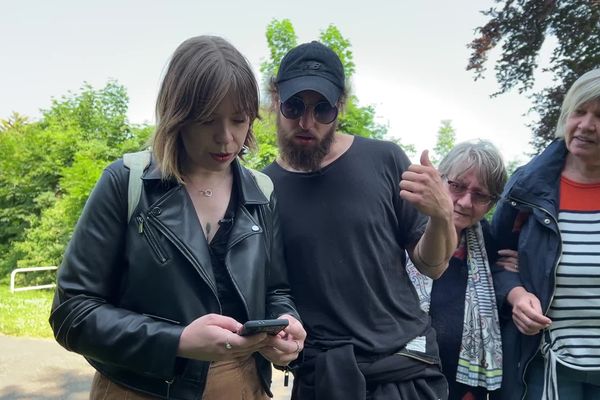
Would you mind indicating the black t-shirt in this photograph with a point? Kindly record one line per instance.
(345, 229)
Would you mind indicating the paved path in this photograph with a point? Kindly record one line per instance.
(39, 369)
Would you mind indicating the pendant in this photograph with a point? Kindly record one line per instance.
(206, 192)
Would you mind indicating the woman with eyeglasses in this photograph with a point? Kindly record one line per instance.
(551, 214)
(461, 303)
(156, 300)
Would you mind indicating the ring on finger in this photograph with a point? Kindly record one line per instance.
(228, 345)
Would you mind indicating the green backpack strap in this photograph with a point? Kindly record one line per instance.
(264, 183)
(137, 163)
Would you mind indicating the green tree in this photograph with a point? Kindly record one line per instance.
(48, 168)
(264, 130)
(521, 27)
(281, 37)
(446, 139)
(332, 38)
(15, 122)
(355, 119)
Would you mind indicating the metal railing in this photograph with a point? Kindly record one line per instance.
(29, 269)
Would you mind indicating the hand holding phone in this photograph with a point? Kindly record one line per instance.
(270, 326)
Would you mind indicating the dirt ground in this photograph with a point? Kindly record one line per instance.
(39, 369)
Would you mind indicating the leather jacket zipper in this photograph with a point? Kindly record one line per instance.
(156, 224)
(169, 383)
(151, 239)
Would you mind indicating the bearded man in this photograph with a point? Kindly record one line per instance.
(349, 209)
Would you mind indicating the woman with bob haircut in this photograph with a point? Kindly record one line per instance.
(462, 303)
(155, 300)
(550, 213)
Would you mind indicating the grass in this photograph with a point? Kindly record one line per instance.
(25, 313)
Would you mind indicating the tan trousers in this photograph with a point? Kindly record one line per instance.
(226, 380)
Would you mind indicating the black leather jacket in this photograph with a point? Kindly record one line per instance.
(126, 290)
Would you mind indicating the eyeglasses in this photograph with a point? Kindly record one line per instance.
(294, 108)
(478, 198)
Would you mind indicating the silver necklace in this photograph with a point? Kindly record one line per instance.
(206, 192)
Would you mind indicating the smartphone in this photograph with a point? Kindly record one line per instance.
(270, 326)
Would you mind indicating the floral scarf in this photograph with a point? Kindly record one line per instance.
(480, 357)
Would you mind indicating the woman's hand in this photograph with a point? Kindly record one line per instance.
(527, 311)
(284, 347)
(214, 337)
(509, 260)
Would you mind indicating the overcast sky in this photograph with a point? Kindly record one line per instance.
(410, 56)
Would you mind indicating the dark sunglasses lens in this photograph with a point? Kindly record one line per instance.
(325, 113)
(292, 108)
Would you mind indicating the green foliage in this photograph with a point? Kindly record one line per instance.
(28, 181)
(281, 38)
(25, 313)
(264, 130)
(49, 167)
(15, 122)
(522, 27)
(446, 139)
(95, 114)
(332, 38)
(360, 121)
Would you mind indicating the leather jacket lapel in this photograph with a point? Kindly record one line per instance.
(177, 220)
(245, 225)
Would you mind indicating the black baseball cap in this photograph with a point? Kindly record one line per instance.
(311, 66)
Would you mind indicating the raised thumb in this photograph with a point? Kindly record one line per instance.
(425, 159)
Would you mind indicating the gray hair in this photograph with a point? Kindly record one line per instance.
(481, 156)
(585, 89)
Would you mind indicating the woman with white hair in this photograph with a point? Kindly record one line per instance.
(550, 213)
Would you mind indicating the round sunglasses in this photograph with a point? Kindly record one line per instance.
(294, 108)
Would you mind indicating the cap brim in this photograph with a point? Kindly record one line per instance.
(320, 85)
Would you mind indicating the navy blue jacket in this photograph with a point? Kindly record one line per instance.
(526, 220)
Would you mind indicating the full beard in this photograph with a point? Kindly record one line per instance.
(301, 157)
